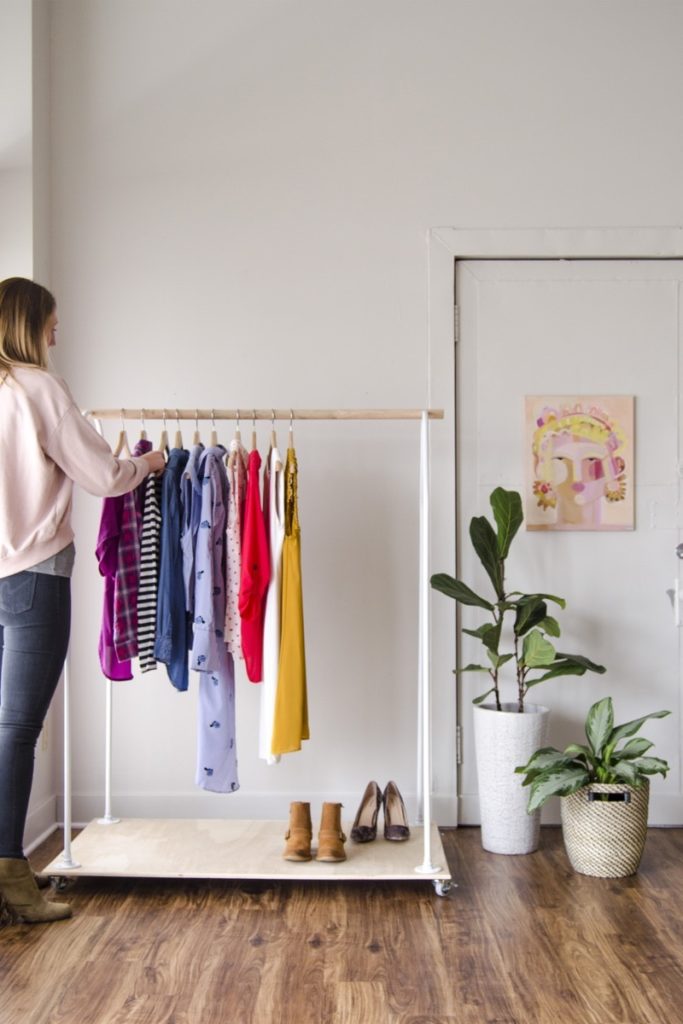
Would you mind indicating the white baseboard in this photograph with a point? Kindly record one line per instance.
(447, 811)
(240, 805)
(41, 822)
(665, 811)
(243, 804)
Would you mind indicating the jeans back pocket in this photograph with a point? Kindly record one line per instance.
(17, 592)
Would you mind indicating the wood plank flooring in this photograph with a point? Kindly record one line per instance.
(522, 940)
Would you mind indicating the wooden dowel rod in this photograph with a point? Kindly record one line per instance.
(171, 413)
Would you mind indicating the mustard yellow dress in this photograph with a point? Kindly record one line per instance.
(291, 703)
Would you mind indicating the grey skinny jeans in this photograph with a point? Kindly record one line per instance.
(35, 619)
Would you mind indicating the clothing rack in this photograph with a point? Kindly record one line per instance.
(171, 413)
(439, 875)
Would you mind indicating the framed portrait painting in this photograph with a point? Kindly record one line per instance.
(579, 459)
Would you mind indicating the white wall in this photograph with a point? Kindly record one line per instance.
(16, 259)
(15, 139)
(240, 197)
(16, 251)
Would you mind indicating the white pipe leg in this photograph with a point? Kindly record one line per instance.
(66, 860)
(424, 682)
(108, 818)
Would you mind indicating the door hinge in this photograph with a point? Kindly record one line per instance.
(456, 324)
(458, 744)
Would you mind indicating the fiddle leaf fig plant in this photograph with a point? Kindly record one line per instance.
(550, 772)
(533, 627)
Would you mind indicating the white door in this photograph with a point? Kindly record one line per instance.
(579, 328)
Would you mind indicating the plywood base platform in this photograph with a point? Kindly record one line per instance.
(207, 848)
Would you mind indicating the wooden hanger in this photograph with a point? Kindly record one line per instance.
(238, 438)
(290, 442)
(213, 438)
(254, 441)
(163, 440)
(273, 440)
(122, 447)
(178, 439)
(196, 437)
(143, 429)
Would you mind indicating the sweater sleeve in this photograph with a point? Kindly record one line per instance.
(86, 458)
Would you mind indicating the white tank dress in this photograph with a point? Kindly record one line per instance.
(271, 625)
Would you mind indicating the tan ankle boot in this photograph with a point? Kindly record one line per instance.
(331, 839)
(21, 896)
(299, 833)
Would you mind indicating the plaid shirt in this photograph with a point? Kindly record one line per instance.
(128, 570)
(106, 552)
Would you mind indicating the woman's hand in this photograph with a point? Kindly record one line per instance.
(156, 460)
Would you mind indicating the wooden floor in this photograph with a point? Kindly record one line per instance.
(522, 940)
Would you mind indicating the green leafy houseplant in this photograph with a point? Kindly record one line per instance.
(550, 772)
(532, 626)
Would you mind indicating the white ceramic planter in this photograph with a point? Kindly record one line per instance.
(503, 740)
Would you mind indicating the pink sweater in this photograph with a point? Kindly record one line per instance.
(45, 445)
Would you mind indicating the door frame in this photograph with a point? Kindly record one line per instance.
(445, 247)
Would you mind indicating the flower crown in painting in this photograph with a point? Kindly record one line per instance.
(577, 424)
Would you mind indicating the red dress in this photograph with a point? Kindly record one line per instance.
(255, 574)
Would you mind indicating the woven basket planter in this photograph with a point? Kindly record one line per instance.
(605, 838)
(503, 740)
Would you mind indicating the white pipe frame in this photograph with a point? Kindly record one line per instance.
(424, 682)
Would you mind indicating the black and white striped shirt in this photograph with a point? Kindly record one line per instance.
(149, 573)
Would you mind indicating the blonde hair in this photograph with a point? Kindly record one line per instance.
(25, 308)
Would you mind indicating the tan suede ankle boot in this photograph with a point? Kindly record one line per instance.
(299, 833)
(331, 839)
(21, 896)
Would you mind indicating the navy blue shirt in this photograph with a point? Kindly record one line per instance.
(174, 627)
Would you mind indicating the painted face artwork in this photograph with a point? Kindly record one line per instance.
(578, 469)
(577, 465)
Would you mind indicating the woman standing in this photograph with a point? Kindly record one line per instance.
(45, 445)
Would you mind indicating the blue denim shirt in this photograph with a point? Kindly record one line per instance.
(174, 628)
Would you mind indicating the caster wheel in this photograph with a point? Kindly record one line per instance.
(60, 883)
(442, 886)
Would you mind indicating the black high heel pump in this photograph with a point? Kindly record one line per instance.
(395, 817)
(364, 828)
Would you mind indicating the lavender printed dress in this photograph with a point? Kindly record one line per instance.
(216, 747)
